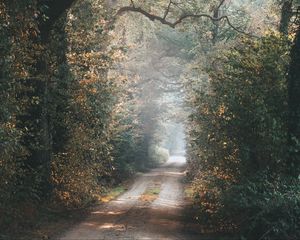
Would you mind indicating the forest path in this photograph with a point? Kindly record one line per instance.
(153, 208)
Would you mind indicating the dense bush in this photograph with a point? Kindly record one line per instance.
(271, 207)
(68, 130)
(81, 151)
(238, 134)
(16, 63)
(261, 207)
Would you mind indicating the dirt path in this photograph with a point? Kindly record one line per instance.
(135, 216)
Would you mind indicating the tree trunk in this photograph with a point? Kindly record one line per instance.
(294, 106)
(286, 15)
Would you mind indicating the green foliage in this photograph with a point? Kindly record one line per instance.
(84, 106)
(16, 29)
(261, 207)
(158, 155)
(128, 148)
(238, 133)
(67, 129)
(272, 207)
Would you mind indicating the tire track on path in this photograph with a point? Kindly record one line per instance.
(129, 217)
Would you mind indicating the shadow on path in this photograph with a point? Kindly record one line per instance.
(129, 217)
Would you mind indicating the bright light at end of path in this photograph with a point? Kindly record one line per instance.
(177, 159)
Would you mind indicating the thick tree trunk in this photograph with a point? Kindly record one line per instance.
(293, 92)
(54, 10)
(294, 106)
(216, 27)
(286, 15)
(38, 117)
(46, 136)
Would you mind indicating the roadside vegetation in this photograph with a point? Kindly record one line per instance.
(94, 91)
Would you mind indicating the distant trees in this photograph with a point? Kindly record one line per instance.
(243, 139)
(147, 86)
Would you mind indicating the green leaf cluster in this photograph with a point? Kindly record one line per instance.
(238, 152)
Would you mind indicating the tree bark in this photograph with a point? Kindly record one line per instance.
(55, 9)
(294, 106)
(286, 15)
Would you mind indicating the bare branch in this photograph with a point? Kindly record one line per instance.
(214, 20)
(177, 4)
(132, 3)
(167, 10)
(217, 9)
(162, 20)
(152, 17)
(220, 5)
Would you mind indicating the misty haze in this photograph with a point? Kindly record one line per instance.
(142, 119)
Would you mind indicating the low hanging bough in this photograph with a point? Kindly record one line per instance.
(214, 17)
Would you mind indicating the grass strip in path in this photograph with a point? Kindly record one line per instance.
(151, 193)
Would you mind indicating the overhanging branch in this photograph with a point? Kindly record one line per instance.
(168, 9)
(220, 5)
(183, 17)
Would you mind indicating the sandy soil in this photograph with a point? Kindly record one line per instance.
(130, 217)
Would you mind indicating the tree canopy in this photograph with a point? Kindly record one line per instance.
(93, 91)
